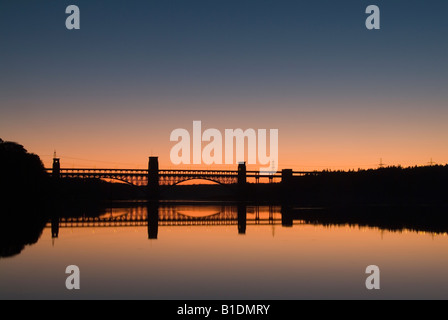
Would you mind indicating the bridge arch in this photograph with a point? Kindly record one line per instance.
(119, 179)
(216, 181)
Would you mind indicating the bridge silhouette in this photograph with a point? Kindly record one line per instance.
(154, 215)
(153, 177)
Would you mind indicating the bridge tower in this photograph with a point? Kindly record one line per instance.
(286, 176)
(241, 178)
(153, 177)
(242, 173)
(56, 167)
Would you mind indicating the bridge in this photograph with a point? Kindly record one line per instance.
(153, 177)
(154, 215)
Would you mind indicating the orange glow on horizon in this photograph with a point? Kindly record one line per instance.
(336, 140)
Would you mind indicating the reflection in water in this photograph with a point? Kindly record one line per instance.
(430, 219)
(242, 219)
(153, 219)
(287, 219)
(54, 227)
(18, 230)
(198, 211)
(315, 253)
(154, 214)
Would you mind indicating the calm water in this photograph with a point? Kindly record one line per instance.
(213, 251)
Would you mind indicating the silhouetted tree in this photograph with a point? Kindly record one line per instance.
(23, 189)
(22, 175)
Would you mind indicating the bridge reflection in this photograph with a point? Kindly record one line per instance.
(155, 214)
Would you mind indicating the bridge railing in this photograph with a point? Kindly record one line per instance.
(99, 170)
(198, 172)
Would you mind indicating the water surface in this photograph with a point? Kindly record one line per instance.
(214, 251)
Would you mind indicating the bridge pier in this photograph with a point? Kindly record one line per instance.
(153, 219)
(153, 178)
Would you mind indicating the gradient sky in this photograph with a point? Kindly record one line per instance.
(341, 96)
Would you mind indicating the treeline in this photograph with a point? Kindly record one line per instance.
(23, 179)
(392, 185)
(23, 186)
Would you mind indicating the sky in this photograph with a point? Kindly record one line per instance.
(341, 96)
